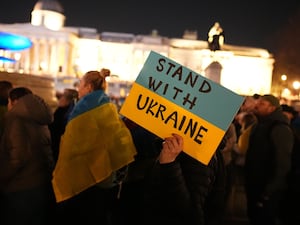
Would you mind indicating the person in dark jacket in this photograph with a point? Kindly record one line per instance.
(178, 188)
(5, 87)
(292, 197)
(26, 161)
(129, 208)
(66, 103)
(267, 162)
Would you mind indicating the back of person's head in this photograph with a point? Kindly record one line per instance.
(70, 94)
(18, 92)
(5, 87)
(97, 79)
(249, 103)
(15, 94)
(256, 96)
(68, 97)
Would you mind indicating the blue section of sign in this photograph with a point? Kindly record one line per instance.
(14, 42)
(189, 90)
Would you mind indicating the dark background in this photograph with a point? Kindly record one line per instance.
(272, 25)
(246, 23)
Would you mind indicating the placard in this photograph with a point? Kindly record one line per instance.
(169, 98)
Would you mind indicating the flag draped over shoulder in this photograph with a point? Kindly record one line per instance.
(96, 142)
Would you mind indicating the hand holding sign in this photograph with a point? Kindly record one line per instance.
(172, 146)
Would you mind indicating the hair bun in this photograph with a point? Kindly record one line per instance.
(104, 72)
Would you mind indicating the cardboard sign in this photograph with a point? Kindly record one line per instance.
(169, 98)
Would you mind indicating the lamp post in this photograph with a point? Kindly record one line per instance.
(296, 86)
(283, 79)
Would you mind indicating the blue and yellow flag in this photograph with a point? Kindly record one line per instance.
(96, 143)
(169, 98)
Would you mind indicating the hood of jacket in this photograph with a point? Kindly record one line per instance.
(34, 108)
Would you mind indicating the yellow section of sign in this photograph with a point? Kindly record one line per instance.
(162, 117)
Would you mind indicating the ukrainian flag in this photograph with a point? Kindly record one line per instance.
(96, 142)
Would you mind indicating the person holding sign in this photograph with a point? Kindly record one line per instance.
(182, 190)
(187, 184)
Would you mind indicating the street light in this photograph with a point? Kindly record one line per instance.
(296, 86)
(283, 79)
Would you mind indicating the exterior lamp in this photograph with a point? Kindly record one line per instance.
(283, 77)
(296, 86)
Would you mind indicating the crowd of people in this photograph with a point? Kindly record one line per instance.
(85, 163)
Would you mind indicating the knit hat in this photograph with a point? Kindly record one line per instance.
(272, 99)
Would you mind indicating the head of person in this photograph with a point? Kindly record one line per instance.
(92, 81)
(266, 104)
(15, 94)
(68, 97)
(5, 87)
(249, 103)
(217, 25)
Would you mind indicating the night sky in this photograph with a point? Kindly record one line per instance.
(246, 23)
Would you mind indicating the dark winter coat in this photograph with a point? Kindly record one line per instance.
(57, 128)
(176, 192)
(26, 159)
(268, 157)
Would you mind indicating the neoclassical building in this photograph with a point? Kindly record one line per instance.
(63, 53)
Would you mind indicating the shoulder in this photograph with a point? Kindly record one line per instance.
(12, 119)
(280, 126)
(279, 131)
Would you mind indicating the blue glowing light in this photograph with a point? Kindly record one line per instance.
(5, 59)
(14, 42)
